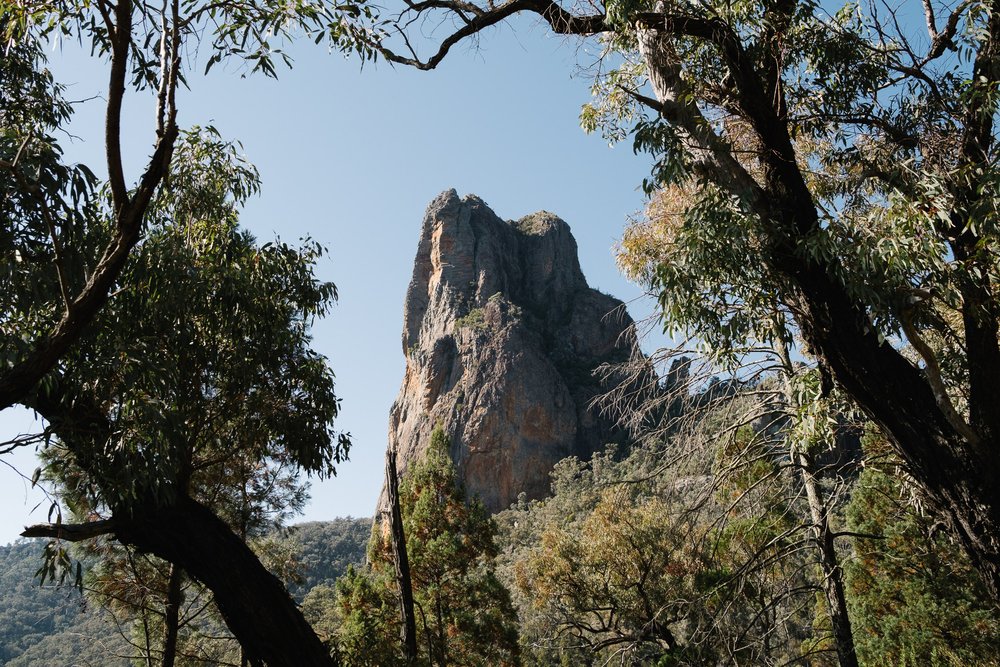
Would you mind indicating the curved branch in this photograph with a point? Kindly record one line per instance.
(253, 602)
(561, 21)
(716, 158)
(944, 40)
(23, 376)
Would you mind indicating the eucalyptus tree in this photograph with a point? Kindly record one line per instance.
(841, 159)
(196, 383)
(67, 244)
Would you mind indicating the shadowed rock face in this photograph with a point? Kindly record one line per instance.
(501, 334)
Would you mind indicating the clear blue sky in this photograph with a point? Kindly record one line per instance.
(352, 157)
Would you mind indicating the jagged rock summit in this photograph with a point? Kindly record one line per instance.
(501, 334)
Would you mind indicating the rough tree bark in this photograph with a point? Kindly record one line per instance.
(401, 560)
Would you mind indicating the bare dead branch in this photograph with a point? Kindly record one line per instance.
(71, 532)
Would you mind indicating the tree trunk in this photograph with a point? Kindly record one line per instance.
(401, 560)
(833, 574)
(253, 602)
(957, 476)
(147, 641)
(171, 621)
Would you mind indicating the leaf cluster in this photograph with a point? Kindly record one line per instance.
(202, 359)
(46, 205)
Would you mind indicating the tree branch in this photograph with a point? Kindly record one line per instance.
(933, 372)
(674, 102)
(851, 533)
(116, 93)
(716, 159)
(71, 532)
(129, 213)
(560, 21)
(23, 376)
(764, 113)
(940, 41)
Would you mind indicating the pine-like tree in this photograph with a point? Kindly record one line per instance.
(464, 614)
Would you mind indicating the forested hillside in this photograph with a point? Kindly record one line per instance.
(49, 625)
(324, 550)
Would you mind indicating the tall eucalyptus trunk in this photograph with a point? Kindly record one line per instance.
(823, 535)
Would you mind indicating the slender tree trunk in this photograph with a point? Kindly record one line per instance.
(401, 560)
(172, 616)
(833, 574)
(147, 640)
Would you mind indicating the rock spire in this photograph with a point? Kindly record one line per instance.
(501, 334)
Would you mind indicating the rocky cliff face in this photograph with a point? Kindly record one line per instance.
(501, 334)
